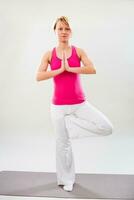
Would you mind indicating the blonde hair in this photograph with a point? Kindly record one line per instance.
(62, 19)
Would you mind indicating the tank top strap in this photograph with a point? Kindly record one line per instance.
(74, 53)
(73, 49)
(53, 52)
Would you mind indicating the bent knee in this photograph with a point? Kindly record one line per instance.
(108, 130)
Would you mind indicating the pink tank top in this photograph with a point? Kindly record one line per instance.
(67, 85)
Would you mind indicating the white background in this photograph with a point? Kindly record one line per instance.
(104, 29)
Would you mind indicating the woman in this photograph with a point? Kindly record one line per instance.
(69, 104)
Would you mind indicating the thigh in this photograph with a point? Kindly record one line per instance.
(91, 113)
(58, 120)
(56, 111)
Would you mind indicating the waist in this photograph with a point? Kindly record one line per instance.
(62, 101)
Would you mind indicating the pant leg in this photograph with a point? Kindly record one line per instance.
(88, 118)
(65, 168)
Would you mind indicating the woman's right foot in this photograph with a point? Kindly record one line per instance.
(68, 188)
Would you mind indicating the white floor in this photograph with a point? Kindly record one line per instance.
(96, 154)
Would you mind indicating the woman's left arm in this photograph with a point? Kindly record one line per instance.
(88, 67)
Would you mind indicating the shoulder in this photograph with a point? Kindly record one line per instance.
(48, 55)
(79, 51)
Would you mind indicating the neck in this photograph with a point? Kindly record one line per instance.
(63, 45)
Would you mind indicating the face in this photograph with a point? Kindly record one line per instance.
(63, 31)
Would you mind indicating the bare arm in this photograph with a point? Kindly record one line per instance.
(42, 73)
(88, 67)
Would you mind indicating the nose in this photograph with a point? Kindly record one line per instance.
(63, 31)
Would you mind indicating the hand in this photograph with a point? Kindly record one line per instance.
(64, 62)
(67, 67)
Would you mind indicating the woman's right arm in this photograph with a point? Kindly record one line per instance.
(42, 73)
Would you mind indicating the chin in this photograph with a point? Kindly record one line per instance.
(63, 40)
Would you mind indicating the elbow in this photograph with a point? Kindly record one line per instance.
(91, 70)
(94, 71)
(37, 78)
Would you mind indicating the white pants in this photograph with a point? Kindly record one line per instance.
(75, 119)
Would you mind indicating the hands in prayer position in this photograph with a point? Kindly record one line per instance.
(64, 63)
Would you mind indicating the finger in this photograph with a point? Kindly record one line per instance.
(66, 61)
(64, 58)
(64, 55)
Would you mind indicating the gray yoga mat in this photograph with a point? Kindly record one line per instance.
(88, 186)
